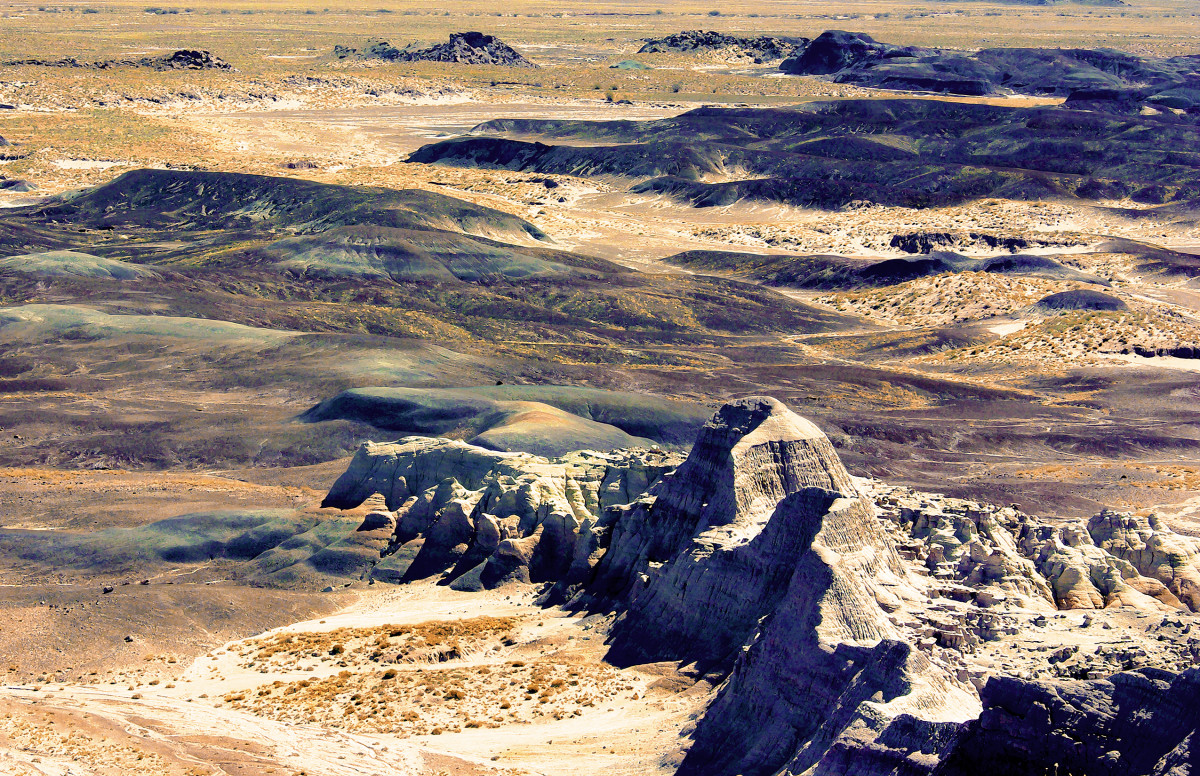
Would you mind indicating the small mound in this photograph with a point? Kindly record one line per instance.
(532, 427)
(189, 199)
(541, 419)
(1040, 266)
(895, 271)
(1079, 299)
(74, 264)
(48, 322)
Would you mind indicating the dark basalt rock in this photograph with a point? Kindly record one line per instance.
(464, 48)
(184, 59)
(763, 48)
(835, 50)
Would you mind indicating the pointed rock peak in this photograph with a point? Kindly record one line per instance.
(761, 450)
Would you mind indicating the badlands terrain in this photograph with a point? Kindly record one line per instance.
(600, 388)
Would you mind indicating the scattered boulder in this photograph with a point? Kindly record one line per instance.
(15, 185)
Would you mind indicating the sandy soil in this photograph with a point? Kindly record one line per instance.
(189, 721)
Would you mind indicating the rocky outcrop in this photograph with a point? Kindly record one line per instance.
(481, 517)
(970, 550)
(855, 626)
(1140, 723)
(1103, 79)
(183, 59)
(759, 554)
(835, 50)
(713, 548)
(464, 48)
(1153, 549)
(1085, 576)
(763, 48)
(1000, 557)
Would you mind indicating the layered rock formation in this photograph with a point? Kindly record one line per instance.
(482, 517)
(1153, 549)
(999, 556)
(715, 546)
(857, 628)
(759, 553)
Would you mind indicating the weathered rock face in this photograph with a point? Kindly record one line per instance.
(483, 517)
(715, 546)
(1153, 549)
(970, 550)
(1084, 576)
(760, 554)
(855, 624)
(998, 556)
(1137, 723)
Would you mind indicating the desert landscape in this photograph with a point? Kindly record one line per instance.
(600, 388)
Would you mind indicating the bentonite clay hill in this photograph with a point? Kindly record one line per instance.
(858, 628)
(1110, 77)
